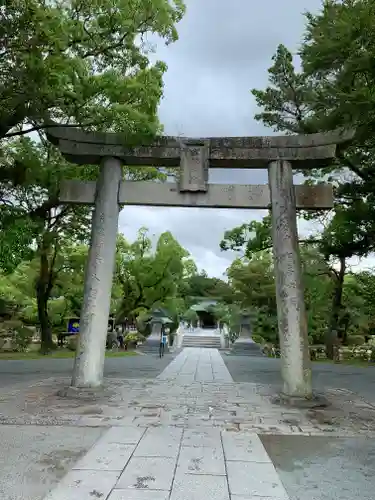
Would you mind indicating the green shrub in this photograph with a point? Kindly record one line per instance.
(356, 340)
(258, 339)
(132, 338)
(22, 338)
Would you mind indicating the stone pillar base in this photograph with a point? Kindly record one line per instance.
(246, 347)
(315, 401)
(82, 393)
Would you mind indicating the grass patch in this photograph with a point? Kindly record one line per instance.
(60, 354)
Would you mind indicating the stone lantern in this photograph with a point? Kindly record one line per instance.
(158, 322)
(245, 345)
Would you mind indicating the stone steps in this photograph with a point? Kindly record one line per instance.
(201, 341)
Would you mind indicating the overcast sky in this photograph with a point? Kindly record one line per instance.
(224, 50)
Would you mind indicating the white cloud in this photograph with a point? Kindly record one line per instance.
(224, 51)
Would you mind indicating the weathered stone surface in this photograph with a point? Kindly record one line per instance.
(306, 151)
(207, 438)
(252, 479)
(75, 191)
(244, 344)
(198, 487)
(89, 364)
(160, 443)
(292, 322)
(82, 393)
(338, 136)
(244, 448)
(129, 494)
(218, 195)
(84, 485)
(86, 153)
(246, 347)
(316, 401)
(106, 456)
(148, 473)
(175, 399)
(193, 174)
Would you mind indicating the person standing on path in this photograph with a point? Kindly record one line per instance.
(163, 342)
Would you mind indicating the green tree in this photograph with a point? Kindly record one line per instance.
(334, 89)
(359, 301)
(324, 276)
(201, 285)
(319, 282)
(84, 63)
(50, 227)
(254, 289)
(191, 317)
(148, 278)
(66, 283)
(76, 63)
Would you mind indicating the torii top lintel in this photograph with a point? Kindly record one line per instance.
(304, 151)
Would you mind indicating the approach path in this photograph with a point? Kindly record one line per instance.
(173, 462)
(191, 433)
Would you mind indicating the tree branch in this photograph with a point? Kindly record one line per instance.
(352, 167)
(51, 125)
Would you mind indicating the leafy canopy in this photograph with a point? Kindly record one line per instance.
(84, 62)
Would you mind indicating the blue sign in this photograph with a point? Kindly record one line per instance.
(73, 326)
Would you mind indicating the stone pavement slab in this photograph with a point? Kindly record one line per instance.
(160, 442)
(124, 435)
(202, 438)
(84, 485)
(244, 448)
(196, 487)
(252, 479)
(192, 474)
(197, 365)
(148, 473)
(139, 495)
(106, 456)
(207, 461)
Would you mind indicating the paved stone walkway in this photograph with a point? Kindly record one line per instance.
(170, 462)
(197, 365)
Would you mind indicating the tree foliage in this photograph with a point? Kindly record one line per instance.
(75, 63)
(83, 62)
(149, 278)
(333, 89)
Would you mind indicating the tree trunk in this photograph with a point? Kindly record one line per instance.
(332, 332)
(43, 290)
(45, 326)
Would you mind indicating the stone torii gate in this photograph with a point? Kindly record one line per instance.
(279, 154)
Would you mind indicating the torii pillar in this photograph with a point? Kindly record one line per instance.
(279, 154)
